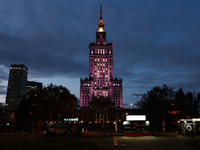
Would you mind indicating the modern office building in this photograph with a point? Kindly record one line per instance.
(16, 86)
(101, 83)
(32, 85)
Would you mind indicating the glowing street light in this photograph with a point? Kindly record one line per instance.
(131, 105)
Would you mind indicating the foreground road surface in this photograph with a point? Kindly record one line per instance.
(144, 143)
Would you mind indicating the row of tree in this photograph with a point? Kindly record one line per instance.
(48, 103)
(53, 101)
(165, 104)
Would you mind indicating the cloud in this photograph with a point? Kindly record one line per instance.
(3, 89)
(155, 42)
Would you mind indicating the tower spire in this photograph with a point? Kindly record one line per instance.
(100, 25)
(100, 10)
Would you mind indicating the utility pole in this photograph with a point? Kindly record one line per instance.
(125, 104)
(137, 95)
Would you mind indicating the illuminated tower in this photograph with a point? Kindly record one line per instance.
(100, 83)
(16, 86)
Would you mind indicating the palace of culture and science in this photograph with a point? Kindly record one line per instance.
(101, 82)
(101, 93)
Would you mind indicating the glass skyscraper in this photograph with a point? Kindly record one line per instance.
(16, 86)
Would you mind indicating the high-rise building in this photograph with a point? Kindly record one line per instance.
(16, 86)
(101, 83)
(32, 85)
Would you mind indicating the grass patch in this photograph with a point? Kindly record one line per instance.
(43, 143)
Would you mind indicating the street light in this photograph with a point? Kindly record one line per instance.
(137, 95)
(131, 105)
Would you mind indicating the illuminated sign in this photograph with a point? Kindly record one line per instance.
(195, 119)
(174, 112)
(71, 119)
(17, 68)
(136, 117)
(185, 119)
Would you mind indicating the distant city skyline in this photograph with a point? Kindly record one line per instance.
(155, 42)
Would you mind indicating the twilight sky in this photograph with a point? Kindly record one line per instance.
(156, 42)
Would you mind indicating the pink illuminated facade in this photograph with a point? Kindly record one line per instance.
(101, 84)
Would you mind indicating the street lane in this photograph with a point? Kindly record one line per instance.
(145, 143)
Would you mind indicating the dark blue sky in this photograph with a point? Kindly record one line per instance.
(156, 42)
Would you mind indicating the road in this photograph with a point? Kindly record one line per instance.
(144, 143)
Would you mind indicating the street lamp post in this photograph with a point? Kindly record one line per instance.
(125, 105)
(137, 95)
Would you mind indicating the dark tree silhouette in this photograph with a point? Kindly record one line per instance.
(156, 104)
(2, 114)
(1, 109)
(192, 105)
(180, 100)
(47, 104)
(159, 102)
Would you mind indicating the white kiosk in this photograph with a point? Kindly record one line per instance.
(136, 125)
